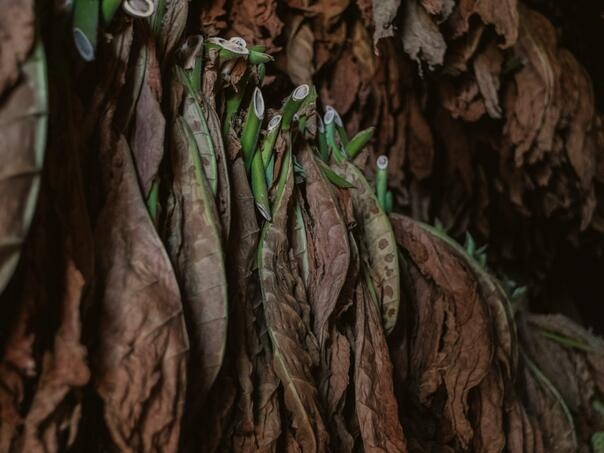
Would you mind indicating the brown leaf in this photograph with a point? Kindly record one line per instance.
(376, 406)
(140, 362)
(384, 13)
(17, 37)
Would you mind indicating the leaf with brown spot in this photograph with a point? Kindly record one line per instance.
(377, 243)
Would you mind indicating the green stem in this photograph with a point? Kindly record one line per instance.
(85, 27)
(381, 180)
(158, 17)
(358, 142)
(292, 104)
(323, 150)
(268, 145)
(251, 127)
(233, 102)
(135, 8)
(259, 187)
(152, 200)
(330, 134)
(340, 128)
(108, 9)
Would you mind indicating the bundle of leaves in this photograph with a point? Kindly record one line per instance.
(187, 266)
(488, 121)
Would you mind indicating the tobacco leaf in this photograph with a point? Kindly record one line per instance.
(384, 13)
(376, 405)
(300, 51)
(377, 243)
(422, 40)
(286, 323)
(63, 369)
(257, 22)
(329, 263)
(544, 401)
(487, 69)
(140, 360)
(449, 340)
(572, 359)
(223, 195)
(23, 116)
(148, 129)
(194, 245)
(172, 26)
(17, 25)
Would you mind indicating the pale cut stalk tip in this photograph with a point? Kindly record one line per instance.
(273, 123)
(83, 45)
(382, 162)
(329, 115)
(301, 92)
(258, 103)
(139, 8)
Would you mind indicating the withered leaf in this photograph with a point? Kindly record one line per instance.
(140, 361)
(285, 321)
(376, 406)
(195, 247)
(23, 120)
(17, 25)
(421, 37)
(384, 13)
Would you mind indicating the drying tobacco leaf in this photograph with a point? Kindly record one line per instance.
(140, 361)
(449, 338)
(194, 245)
(17, 25)
(212, 119)
(285, 321)
(572, 359)
(23, 116)
(148, 128)
(376, 406)
(384, 13)
(544, 401)
(63, 368)
(329, 263)
(377, 243)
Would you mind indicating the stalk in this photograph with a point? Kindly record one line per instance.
(358, 142)
(389, 202)
(340, 128)
(259, 187)
(108, 9)
(322, 137)
(158, 17)
(153, 200)
(251, 127)
(381, 180)
(239, 41)
(233, 102)
(292, 104)
(330, 133)
(268, 145)
(85, 27)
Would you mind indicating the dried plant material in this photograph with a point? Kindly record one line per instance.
(257, 22)
(450, 344)
(148, 135)
(140, 362)
(376, 405)
(284, 319)
(422, 40)
(384, 12)
(300, 52)
(195, 247)
(487, 68)
(17, 25)
(572, 360)
(23, 115)
(64, 368)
